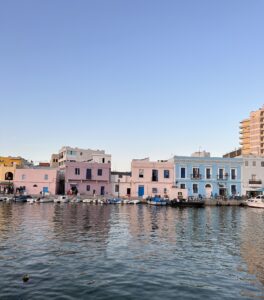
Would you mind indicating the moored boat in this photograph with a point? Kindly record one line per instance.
(257, 202)
(157, 201)
(187, 203)
(61, 199)
(136, 201)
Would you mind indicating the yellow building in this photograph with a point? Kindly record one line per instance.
(7, 171)
(252, 133)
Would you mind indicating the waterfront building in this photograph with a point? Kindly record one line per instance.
(7, 172)
(208, 176)
(121, 184)
(36, 180)
(69, 154)
(252, 133)
(87, 178)
(252, 175)
(151, 178)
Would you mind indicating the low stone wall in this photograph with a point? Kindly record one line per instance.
(215, 202)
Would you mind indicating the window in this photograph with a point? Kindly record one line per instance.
(208, 173)
(262, 164)
(88, 188)
(246, 163)
(46, 177)
(166, 174)
(88, 173)
(253, 177)
(155, 175)
(254, 163)
(233, 189)
(77, 171)
(183, 173)
(195, 188)
(196, 173)
(81, 153)
(116, 188)
(165, 191)
(154, 190)
(99, 172)
(182, 185)
(23, 177)
(221, 173)
(233, 174)
(120, 176)
(103, 160)
(141, 173)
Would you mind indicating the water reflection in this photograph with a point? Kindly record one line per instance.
(131, 252)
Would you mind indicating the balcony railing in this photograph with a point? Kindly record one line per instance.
(196, 176)
(255, 182)
(222, 177)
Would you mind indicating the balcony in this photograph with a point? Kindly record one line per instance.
(196, 176)
(254, 182)
(222, 177)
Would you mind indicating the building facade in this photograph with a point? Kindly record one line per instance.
(208, 176)
(54, 161)
(151, 178)
(36, 180)
(121, 184)
(252, 175)
(8, 167)
(87, 178)
(252, 133)
(69, 154)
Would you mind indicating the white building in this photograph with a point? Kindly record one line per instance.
(67, 153)
(121, 184)
(252, 175)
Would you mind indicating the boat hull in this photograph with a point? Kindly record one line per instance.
(187, 204)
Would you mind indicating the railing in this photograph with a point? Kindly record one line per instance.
(222, 177)
(255, 182)
(196, 176)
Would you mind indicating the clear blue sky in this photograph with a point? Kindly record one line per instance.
(137, 78)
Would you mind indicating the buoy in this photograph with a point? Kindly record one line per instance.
(25, 278)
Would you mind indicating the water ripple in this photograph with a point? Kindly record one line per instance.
(130, 252)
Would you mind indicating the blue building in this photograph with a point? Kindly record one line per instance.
(208, 176)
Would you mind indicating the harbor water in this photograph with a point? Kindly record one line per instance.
(83, 251)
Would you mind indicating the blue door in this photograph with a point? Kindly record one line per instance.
(141, 190)
(45, 189)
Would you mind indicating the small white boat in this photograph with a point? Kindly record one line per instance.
(257, 202)
(134, 201)
(5, 199)
(31, 200)
(45, 200)
(61, 199)
(76, 199)
(125, 201)
(87, 201)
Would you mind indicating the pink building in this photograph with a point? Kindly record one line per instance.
(36, 179)
(89, 178)
(154, 178)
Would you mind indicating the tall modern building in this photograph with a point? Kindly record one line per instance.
(252, 133)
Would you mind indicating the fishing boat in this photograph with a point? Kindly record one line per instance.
(187, 203)
(157, 201)
(45, 200)
(61, 199)
(136, 201)
(257, 202)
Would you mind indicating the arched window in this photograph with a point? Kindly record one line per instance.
(208, 186)
(9, 176)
